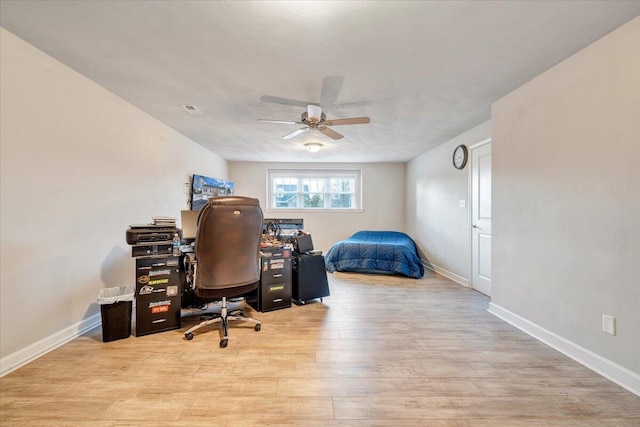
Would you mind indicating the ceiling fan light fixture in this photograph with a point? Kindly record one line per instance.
(313, 147)
(314, 112)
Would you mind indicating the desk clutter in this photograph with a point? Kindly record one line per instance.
(291, 270)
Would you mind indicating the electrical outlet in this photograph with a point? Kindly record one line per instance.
(444, 255)
(608, 324)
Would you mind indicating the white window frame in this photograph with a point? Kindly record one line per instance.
(315, 173)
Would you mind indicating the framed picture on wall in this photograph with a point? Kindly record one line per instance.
(203, 188)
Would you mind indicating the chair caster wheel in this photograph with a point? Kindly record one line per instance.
(257, 327)
(223, 343)
(188, 336)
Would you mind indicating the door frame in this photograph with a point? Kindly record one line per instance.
(470, 204)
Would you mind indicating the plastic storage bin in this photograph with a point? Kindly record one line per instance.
(115, 307)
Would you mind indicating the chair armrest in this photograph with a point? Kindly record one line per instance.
(190, 268)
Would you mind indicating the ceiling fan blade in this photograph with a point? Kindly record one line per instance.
(354, 104)
(285, 122)
(331, 86)
(295, 133)
(284, 101)
(349, 121)
(330, 132)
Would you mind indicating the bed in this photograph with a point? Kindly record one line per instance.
(376, 252)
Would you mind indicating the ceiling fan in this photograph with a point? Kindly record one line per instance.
(314, 118)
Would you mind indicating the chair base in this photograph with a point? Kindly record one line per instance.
(224, 317)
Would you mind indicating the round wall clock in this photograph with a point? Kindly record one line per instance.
(460, 155)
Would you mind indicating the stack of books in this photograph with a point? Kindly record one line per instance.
(164, 221)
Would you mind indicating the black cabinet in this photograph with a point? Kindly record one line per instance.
(309, 278)
(274, 289)
(158, 294)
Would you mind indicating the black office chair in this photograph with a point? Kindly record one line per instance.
(226, 259)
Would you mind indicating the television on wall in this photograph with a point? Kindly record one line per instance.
(203, 188)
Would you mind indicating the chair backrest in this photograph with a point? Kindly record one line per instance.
(227, 247)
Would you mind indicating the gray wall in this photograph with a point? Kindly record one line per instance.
(78, 166)
(383, 199)
(566, 198)
(434, 217)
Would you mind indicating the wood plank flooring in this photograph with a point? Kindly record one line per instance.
(380, 351)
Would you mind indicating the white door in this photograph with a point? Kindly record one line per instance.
(481, 218)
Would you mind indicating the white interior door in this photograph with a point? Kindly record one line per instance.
(481, 218)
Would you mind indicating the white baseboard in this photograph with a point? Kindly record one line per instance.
(21, 357)
(448, 274)
(608, 369)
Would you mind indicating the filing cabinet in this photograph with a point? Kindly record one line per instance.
(274, 289)
(158, 294)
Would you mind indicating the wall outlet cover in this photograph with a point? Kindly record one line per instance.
(608, 324)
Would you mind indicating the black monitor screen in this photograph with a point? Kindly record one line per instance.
(304, 244)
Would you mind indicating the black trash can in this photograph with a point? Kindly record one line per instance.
(116, 305)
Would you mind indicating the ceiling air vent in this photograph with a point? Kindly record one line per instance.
(192, 109)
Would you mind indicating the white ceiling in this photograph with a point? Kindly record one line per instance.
(424, 72)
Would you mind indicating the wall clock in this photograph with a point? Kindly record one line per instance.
(460, 155)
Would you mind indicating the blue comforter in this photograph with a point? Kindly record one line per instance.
(368, 251)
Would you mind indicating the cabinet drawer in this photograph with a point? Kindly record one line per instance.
(276, 277)
(161, 262)
(157, 289)
(152, 250)
(157, 278)
(157, 315)
(275, 296)
(276, 270)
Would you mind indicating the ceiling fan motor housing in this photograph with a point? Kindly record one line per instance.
(313, 121)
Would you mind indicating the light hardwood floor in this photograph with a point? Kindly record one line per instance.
(380, 351)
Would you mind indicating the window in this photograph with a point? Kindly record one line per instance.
(314, 189)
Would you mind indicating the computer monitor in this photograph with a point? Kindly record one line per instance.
(189, 225)
(304, 244)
